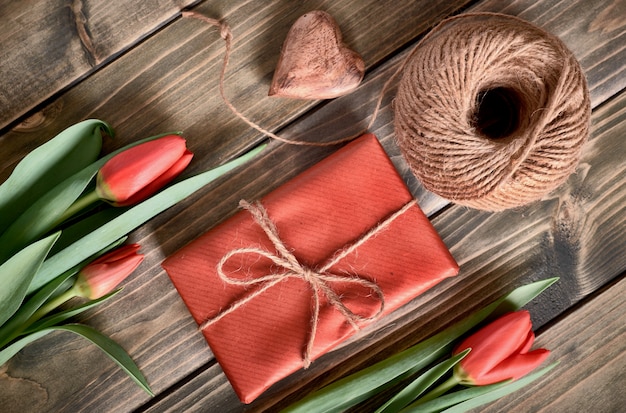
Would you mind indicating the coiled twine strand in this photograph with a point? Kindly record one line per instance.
(491, 112)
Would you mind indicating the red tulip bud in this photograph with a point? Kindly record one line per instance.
(137, 173)
(499, 351)
(104, 274)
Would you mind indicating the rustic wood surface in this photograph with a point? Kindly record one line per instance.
(144, 69)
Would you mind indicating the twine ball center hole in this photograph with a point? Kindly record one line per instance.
(497, 112)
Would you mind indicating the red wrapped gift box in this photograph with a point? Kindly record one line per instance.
(326, 209)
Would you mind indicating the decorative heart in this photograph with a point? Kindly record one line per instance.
(314, 63)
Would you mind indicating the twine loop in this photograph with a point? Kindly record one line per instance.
(319, 279)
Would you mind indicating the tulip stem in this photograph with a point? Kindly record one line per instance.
(79, 205)
(51, 305)
(42, 311)
(438, 391)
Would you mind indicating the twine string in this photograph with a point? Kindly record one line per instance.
(438, 99)
(226, 34)
(318, 279)
(437, 111)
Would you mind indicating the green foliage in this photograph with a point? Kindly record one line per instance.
(370, 381)
(49, 210)
(111, 348)
(62, 316)
(129, 220)
(108, 346)
(418, 386)
(17, 273)
(473, 397)
(48, 165)
(17, 322)
(51, 188)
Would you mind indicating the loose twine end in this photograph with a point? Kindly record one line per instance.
(442, 146)
(226, 34)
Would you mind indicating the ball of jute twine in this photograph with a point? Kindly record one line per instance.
(491, 112)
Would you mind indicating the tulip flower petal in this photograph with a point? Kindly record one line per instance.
(42, 215)
(118, 254)
(129, 220)
(160, 181)
(514, 367)
(104, 274)
(359, 386)
(130, 171)
(473, 397)
(527, 344)
(494, 343)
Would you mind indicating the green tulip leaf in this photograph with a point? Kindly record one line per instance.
(521, 296)
(79, 229)
(51, 208)
(62, 316)
(370, 381)
(11, 350)
(473, 397)
(44, 214)
(16, 324)
(450, 399)
(112, 349)
(19, 323)
(107, 345)
(365, 383)
(48, 165)
(17, 274)
(418, 386)
(129, 220)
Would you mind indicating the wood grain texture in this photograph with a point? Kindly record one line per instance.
(497, 251)
(47, 46)
(588, 342)
(169, 82)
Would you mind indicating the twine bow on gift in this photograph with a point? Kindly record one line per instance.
(317, 278)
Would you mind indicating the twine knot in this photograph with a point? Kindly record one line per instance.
(319, 279)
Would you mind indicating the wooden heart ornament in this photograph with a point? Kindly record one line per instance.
(314, 63)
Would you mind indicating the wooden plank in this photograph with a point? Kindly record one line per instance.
(172, 330)
(47, 46)
(169, 83)
(162, 336)
(497, 251)
(590, 345)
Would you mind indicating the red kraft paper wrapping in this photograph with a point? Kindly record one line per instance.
(318, 213)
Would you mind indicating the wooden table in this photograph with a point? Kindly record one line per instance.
(146, 70)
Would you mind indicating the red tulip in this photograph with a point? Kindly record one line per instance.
(137, 173)
(499, 351)
(101, 276)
